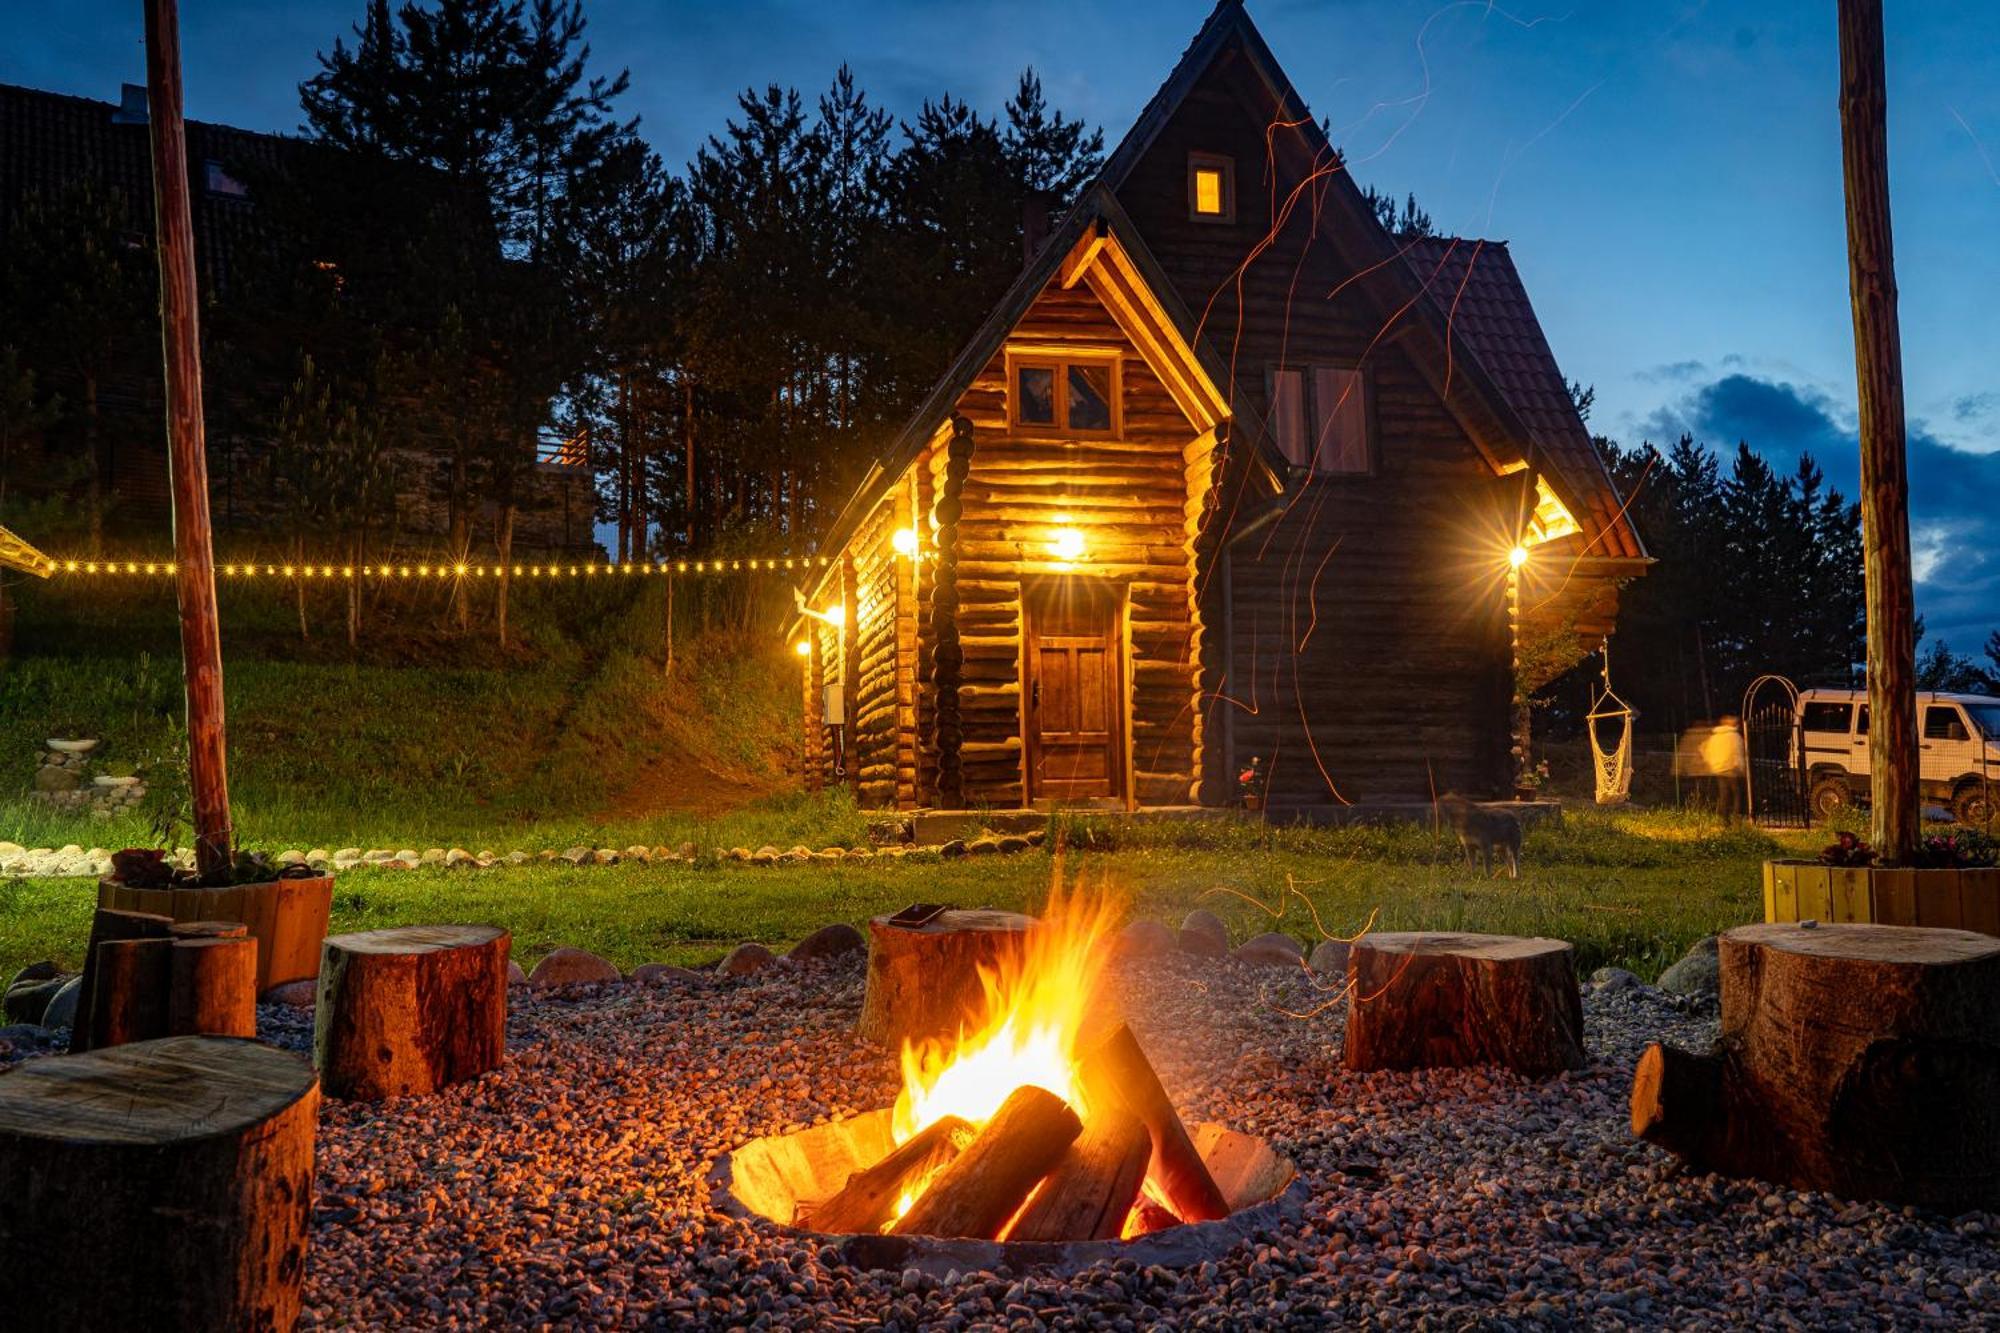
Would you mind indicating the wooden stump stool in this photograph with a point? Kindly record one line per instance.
(923, 976)
(410, 1010)
(1421, 1000)
(161, 1185)
(1862, 1060)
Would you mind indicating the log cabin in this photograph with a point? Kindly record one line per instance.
(1230, 473)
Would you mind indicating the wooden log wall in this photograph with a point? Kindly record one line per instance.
(810, 668)
(947, 652)
(876, 708)
(1369, 655)
(1129, 497)
(826, 664)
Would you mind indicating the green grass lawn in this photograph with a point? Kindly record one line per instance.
(1628, 889)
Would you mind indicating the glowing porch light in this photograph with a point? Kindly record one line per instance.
(1518, 556)
(803, 648)
(1067, 545)
(905, 542)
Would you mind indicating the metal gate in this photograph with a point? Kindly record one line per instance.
(1774, 757)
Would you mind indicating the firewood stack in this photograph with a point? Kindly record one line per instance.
(1039, 1170)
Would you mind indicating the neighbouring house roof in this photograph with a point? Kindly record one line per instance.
(1479, 290)
(16, 553)
(51, 141)
(1096, 216)
(1498, 350)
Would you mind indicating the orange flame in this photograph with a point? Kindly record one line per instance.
(1036, 1003)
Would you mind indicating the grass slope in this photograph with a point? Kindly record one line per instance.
(423, 738)
(1627, 889)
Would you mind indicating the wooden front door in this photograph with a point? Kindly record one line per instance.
(1075, 691)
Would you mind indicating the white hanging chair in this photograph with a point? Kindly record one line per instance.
(1613, 767)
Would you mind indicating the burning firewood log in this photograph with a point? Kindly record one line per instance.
(1118, 1074)
(1091, 1191)
(986, 1184)
(867, 1202)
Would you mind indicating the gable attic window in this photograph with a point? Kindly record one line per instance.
(1070, 395)
(1211, 187)
(221, 182)
(1322, 420)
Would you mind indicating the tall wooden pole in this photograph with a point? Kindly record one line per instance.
(187, 462)
(1878, 375)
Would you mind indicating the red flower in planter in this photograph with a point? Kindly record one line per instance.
(1848, 852)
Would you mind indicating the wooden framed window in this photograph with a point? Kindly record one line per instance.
(1211, 182)
(1323, 418)
(1064, 394)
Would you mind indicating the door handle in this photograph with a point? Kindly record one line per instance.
(1035, 695)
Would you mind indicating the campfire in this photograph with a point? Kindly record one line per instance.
(1039, 1119)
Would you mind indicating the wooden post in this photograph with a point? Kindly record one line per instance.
(669, 670)
(187, 464)
(1878, 379)
(948, 658)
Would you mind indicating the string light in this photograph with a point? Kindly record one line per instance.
(233, 570)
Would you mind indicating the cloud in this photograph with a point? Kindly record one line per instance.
(1954, 492)
(1673, 372)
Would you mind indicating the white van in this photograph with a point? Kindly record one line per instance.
(1959, 736)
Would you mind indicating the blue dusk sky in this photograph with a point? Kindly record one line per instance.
(1666, 172)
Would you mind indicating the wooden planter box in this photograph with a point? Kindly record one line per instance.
(287, 918)
(1954, 899)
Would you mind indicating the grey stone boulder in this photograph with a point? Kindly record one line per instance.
(1615, 979)
(745, 959)
(56, 779)
(515, 976)
(637, 853)
(42, 971)
(662, 974)
(985, 846)
(955, 848)
(296, 994)
(573, 967)
(1202, 932)
(517, 858)
(1329, 958)
(1272, 950)
(28, 1001)
(606, 856)
(834, 941)
(1014, 842)
(577, 856)
(1146, 938)
(458, 856)
(1700, 973)
(61, 1012)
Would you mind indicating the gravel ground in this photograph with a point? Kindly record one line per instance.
(569, 1190)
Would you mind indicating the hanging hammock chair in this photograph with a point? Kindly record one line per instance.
(1613, 766)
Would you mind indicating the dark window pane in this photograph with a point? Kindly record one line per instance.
(1090, 397)
(1862, 726)
(1941, 724)
(1288, 415)
(1035, 396)
(1340, 408)
(1828, 717)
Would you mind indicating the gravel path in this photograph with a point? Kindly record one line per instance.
(569, 1190)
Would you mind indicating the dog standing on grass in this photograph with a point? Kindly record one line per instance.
(1484, 829)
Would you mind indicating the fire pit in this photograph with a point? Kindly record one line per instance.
(1037, 1136)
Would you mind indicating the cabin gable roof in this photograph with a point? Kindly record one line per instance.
(1096, 246)
(1493, 371)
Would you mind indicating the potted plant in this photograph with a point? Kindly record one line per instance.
(1528, 782)
(285, 907)
(1250, 784)
(1952, 881)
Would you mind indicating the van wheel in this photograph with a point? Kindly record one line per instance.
(1829, 797)
(1972, 805)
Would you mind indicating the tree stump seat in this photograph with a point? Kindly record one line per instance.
(158, 1184)
(409, 1010)
(923, 974)
(1424, 999)
(1862, 1060)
